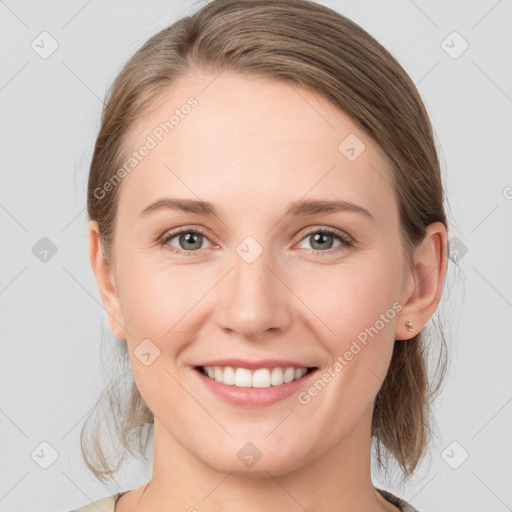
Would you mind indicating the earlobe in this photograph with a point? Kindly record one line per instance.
(427, 278)
(105, 281)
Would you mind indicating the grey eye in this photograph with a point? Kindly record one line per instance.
(321, 240)
(188, 240)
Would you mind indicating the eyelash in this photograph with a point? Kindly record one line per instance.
(343, 238)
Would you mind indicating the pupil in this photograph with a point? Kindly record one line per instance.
(320, 238)
(189, 238)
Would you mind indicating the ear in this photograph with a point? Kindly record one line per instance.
(424, 282)
(104, 274)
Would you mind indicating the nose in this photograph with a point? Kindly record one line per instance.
(256, 303)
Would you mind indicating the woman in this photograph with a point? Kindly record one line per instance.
(233, 146)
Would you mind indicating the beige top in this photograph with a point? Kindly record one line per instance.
(109, 504)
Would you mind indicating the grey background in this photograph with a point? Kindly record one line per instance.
(51, 317)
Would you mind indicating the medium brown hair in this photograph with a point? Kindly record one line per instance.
(312, 46)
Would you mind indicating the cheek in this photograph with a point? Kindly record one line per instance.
(158, 308)
(349, 297)
(156, 297)
(355, 307)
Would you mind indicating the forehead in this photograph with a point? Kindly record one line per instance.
(272, 141)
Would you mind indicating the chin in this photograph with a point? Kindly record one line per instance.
(255, 459)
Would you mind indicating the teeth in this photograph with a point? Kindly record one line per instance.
(228, 376)
(277, 376)
(243, 377)
(289, 375)
(260, 378)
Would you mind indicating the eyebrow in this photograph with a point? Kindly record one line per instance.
(297, 208)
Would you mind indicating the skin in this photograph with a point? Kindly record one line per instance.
(251, 147)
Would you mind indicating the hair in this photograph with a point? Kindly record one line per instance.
(309, 45)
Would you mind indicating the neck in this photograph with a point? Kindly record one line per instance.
(339, 479)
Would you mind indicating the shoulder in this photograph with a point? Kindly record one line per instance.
(401, 504)
(104, 504)
(108, 504)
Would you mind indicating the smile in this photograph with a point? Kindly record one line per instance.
(258, 386)
(259, 378)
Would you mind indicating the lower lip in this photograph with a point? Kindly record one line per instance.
(253, 397)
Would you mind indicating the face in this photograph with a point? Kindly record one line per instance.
(262, 283)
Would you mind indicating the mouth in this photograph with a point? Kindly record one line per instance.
(254, 378)
(257, 386)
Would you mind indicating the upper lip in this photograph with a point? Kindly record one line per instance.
(254, 365)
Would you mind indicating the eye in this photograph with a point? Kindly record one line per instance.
(188, 240)
(322, 239)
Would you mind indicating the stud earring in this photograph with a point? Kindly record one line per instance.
(409, 325)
